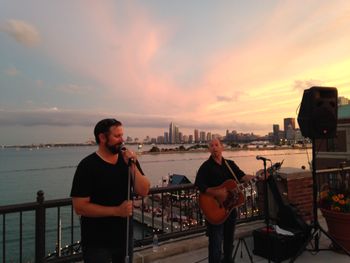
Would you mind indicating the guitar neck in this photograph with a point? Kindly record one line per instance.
(246, 184)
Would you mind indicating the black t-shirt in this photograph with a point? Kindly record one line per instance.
(211, 174)
(106, 184)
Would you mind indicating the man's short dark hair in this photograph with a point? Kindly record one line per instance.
(103, 126)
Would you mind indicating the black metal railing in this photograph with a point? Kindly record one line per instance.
(332, 179)
(35, 232)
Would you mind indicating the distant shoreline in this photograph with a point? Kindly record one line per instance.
(227, 149)
(48, 145)
(200, 147)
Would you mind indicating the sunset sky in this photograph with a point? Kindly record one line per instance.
(210, 65)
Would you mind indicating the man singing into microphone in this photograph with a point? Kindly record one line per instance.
(100, 195)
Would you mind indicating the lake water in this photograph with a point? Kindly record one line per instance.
(24, 171)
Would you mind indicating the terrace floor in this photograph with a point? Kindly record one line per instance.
(194, 249)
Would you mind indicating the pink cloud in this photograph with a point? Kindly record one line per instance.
(123, 47)
(120, 55)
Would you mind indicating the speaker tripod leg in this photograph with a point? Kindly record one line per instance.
(333, 241)
(239, 244)
(246, 248)
(315, 235)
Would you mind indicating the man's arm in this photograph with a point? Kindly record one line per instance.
(142, 183)
(247, 178)
(83, 207)
(259, 175)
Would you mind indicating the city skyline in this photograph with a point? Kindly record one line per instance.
(208, 65)
(174, 134)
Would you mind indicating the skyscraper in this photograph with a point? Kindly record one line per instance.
(177, 132)
(208, 136)
(196, 136)
(289, 128)
(287, 122)
(171, 133)
(276, 132)
(166, 137)
(202, 136)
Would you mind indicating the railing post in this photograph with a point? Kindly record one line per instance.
(40, 228)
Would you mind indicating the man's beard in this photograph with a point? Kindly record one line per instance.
(215, 154)
(114, 149)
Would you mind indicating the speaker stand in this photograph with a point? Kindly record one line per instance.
(316, 228)
(266, 212)
(241, 242)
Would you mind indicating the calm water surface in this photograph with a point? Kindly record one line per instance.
(25, 171)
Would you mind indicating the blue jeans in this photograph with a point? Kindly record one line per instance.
(219, 235)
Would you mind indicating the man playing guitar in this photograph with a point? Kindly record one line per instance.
(212, 174)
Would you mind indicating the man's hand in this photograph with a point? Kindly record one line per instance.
(129, 155)
(125, 209)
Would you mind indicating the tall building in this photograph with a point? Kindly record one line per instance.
(160, 139)
(290, 134)
(208, 136)
(177, 134)
(181, 137)
(172, 133)
(289, 122)
(185, 139)
(196, 135)
(166, 137)
(276, 132)
(202, 136)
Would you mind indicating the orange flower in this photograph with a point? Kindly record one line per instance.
(337, 202)
(335, 198)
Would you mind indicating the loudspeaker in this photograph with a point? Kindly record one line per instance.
(277, 247)
(318, 112)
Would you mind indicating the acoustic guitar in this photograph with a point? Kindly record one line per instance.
(215, 212)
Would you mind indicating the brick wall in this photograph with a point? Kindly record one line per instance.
(295, 187)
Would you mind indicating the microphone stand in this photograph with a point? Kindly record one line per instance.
(131, 173)
(267, 214)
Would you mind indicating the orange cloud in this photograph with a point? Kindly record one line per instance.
(125, 47)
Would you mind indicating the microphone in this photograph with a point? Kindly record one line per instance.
(122, 150)
(122, 147)
(258, 157)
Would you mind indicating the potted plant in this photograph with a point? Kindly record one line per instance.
(335, 207)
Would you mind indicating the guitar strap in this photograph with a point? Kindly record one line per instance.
(234, 176)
